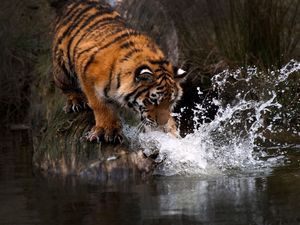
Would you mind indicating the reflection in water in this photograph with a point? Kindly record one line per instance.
(15, 182)
(28, 198)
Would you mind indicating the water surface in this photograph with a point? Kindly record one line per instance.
(260, 197)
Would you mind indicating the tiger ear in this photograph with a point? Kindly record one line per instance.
(144, 74)
(179, 74)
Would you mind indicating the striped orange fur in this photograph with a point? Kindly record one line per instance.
(99, 60)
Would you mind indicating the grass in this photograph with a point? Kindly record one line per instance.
(257, 32)
(23, 26)
(216, 35)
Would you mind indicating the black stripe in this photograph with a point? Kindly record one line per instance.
(168, 75)
(127, 45)
(103, 47)
(130, 54)
(86, 51)
(110, 20)
(159, 70)
(67, 16)
(119, 38)
(95, 26)
(160, 82)
(72, 82)
(90, 60)
(130, 105)
(113, 20)
(122, 36)
(102, 22)
(113, 31)
(159, 62)
(119, 30)
(170, 81)
(73, 6)
(160, 88)
(86, 23)
(79, 19)
(108, 86)
(118, 80)
(137, 93)
(128, 96)
(141, 92)
(99, 5)
(99, 23)
(74, 24)
(164, 74)
(146, 101)
(152, 46)
(160, 76)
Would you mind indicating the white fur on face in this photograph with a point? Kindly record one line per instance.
(146, 71)
(180, 71)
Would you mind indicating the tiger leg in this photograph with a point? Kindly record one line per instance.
(76, 100)
(108, 126)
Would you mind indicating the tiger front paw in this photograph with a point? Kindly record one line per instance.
(75, 106)
(110, 135)
(76, 102)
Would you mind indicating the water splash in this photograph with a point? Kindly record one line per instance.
(232, 141)
(114, 2)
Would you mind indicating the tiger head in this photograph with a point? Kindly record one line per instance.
(154, 88)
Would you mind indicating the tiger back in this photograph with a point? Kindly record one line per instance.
(100, 61)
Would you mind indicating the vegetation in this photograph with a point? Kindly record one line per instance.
(232, 33)
(24, 38)
(211, 35)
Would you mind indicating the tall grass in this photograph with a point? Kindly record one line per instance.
(22, 29)
(256, 32)
(219, 34)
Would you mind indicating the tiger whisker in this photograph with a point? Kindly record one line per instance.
(143, 125)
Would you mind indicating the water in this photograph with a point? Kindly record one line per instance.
(242, 168)
(235, 140)
(28, 198)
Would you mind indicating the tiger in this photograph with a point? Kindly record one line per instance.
(99, 62)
